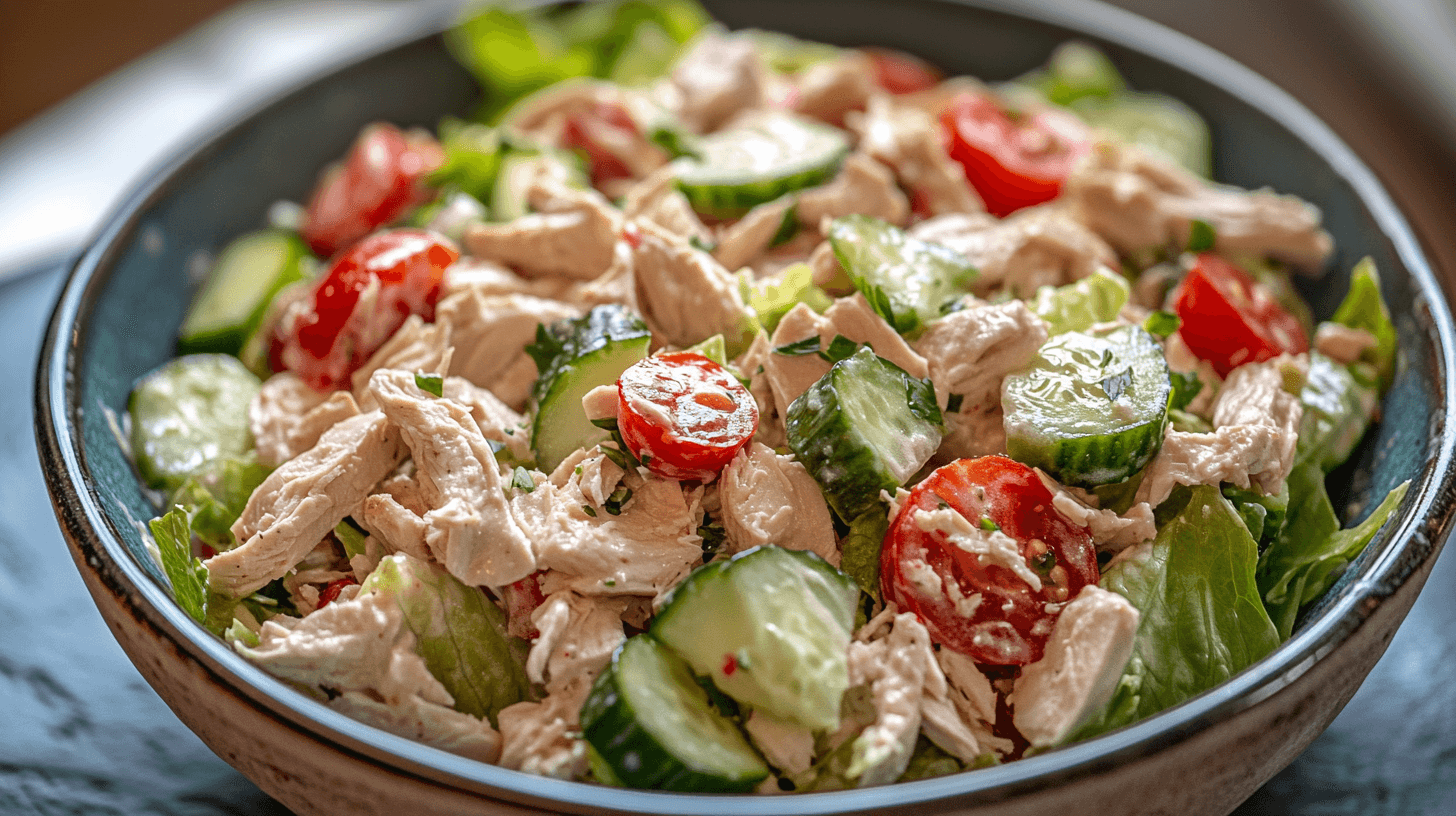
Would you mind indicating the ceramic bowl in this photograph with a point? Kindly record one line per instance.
(119, 312)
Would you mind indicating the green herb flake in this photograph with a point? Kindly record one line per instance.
(840, 348)
(953, 403)
(713, 536)
(521, 480)
(1201, 236)
(433, 383)
(1162, 324)
(988, 525)
(610, 582)
(809, 345)
(1044, 563)
(1115, 385)
(617, 500)
(704, 246)
(589, 510)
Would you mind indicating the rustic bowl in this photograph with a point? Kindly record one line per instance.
(117, 318)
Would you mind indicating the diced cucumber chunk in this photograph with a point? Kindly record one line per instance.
(189, 412)
(235, 296)
(1092, 408)
(652, 724)
(1080, 306)
(573, 357)
(736, 170)
(770, 629)
(909, 282)
(864, 427)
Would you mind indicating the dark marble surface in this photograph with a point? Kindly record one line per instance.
(82, 733)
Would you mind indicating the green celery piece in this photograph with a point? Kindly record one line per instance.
(1078, 306)
(1338, 407)
(908, 282)
(860, 557)
(472, 158)
(173, 534)
(771, 299)
(1202, 617)
(216, 494)
(460, 634)
(1364, 308)
(1308, 556)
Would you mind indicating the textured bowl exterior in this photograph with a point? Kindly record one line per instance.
(117, 317)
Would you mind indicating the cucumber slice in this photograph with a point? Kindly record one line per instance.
(909, 282)
(235, 296)
(864, 427)
(189, 412)
(652, 724)
(778, 153)
(573, 357)
(770, 628)
(1092, 408)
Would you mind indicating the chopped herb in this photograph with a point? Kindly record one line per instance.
(809, 345)
(1044, 563)
(646, 457)
(953, 403)
(1185, 388)
(433, 383)
(988, 525)
(840, 348)
(619, 457)
(758, 370)
(1201, 236)
(617, 500)
(788, 228)
(577, 470)
(1162, 324)
(589, 510)
(698, 243)
(741, 656)
(713, 536)
(510, 432)
(611, 582)
(522, 480)
(606, 423)
(495, 447)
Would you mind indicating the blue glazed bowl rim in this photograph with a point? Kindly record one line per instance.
(1409, 544)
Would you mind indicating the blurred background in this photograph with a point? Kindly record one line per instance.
(95, 92)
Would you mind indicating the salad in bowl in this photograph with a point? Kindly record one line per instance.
(720, 411)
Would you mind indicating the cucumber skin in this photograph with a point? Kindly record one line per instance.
(610, 726)
(725, 202)
(726, 192)
(230, 339)
(1093, 459)
(817, 429)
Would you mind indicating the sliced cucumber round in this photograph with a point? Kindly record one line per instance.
(652, 724)
(770, 629)
(187, 413)
(909, 282)
(864, 427)
(1092, 408)
(1155, 121)
(235, 296)
(777, 153)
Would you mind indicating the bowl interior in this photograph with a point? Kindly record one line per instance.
(118, 317)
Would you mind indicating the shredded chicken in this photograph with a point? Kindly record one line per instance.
(490, 334)
(685, 295)
(719, 76)
(1031, 248)
(908, 140)
(287, 417)
(772, 499)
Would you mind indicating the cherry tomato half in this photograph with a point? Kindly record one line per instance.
(595, 132)
(1228, 319)
(331, 591)
(985, 610)
(901, 73)
(377, 182)
(684, 415)
(1013, 161)
(336, 330)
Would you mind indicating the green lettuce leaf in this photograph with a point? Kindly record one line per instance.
(215, 496)
(472, 158)
(772, 298)
(1202, 618)
(861, 550)
(1311, 552)
(1077, 306)
(1338, 407)
(1364, 308)
(173, 534)
(460, 634)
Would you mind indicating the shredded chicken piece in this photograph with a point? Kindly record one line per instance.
(748, 237)
(908, 140)
(791, 375)
(1137, 201)
(828, 90)
(719, 76)
(573, 235)
(863, 186)
(417, 346)
(303, 500)
(490, 334)
(1342, 344)
(1031, 248)
(577, 636)
(686, 296)
(772, 499)
(471, 530)
(287, 417)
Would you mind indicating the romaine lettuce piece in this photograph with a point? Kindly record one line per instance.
(1202, 617)
(772, 299)
(472, 158)
(1312, 550)
(173, 534)
(861, 554)
(1077, 306)
(216, 494)
(460, 634)
(1364, 308)
(1338, 407)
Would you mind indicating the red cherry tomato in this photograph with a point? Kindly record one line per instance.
(336, 330)
(684, 415)
(595, 132)
(332, 590)
(1228, 319)
(901, 73)
(985, 610)
(1012, 161)
(377, 182)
